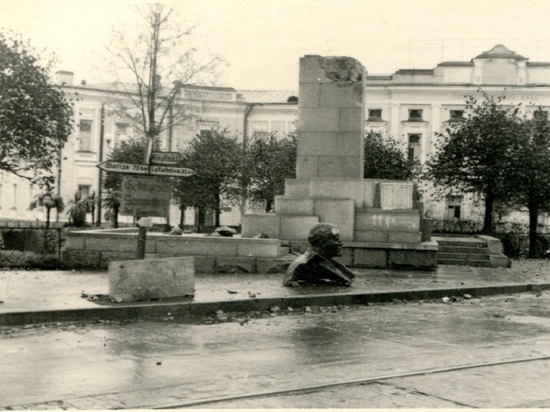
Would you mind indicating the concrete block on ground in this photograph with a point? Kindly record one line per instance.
(392, 222)
(235, 264)
(370, 258)
(340, 166)
(254, 224)
(336, 188)
(413, 259)
(297, 227)
(371, 236)
(339, 212)
(134, 280)
(259, 248)
(404, 237)
(289, 206)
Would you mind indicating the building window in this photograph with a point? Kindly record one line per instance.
(85, 136)
(84, 191)
(260, 130)
(375, 115)
(453, 207)
(415, 115)
(456, 115)
(414, 148)
(14, 197)
(206, 125)
(121, 133)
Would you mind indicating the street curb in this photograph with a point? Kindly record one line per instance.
(192, 310)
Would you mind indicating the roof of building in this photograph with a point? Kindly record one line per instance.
(415, 71)
(500, 51)
(267, 96)
(456, 63)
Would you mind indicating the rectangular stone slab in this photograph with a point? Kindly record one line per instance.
(134, 280)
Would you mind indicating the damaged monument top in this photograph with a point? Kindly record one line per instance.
(340, 69)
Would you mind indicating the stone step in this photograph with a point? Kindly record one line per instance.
(463, 249)
(462, 256)
(456, 241)
(458, 262)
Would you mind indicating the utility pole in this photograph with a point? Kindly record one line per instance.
(100, 180)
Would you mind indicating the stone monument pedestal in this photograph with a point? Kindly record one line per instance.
(380, 221)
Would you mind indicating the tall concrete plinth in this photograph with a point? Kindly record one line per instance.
(329, 184)
(330, 124)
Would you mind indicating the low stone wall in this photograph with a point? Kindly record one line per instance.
(95, 249)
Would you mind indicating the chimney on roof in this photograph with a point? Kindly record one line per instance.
(64, 78)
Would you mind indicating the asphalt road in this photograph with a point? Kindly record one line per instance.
(490, 353)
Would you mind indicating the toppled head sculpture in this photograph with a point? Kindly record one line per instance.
(316, 266)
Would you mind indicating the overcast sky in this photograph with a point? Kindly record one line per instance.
(262, 40)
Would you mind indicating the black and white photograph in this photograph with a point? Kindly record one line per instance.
(274, 204)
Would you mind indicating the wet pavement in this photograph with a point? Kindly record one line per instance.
(147, 364)
(28, 292)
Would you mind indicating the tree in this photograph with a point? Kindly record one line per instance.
(214, 156)
(270, 162)
(162, 66)
(92, 202)
(78, 207)
(131, 151)
(384, 159)
(35, 117)
(477, 154)
(112, 201)
(48, 200)
(531, 172)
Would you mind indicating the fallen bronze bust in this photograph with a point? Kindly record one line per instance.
(316, 266)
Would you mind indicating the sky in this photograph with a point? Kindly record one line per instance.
(261, 41)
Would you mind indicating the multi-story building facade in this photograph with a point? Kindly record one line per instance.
(411, 106)
(247, 114)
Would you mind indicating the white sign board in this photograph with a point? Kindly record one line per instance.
(139, 169)
(144, 196)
